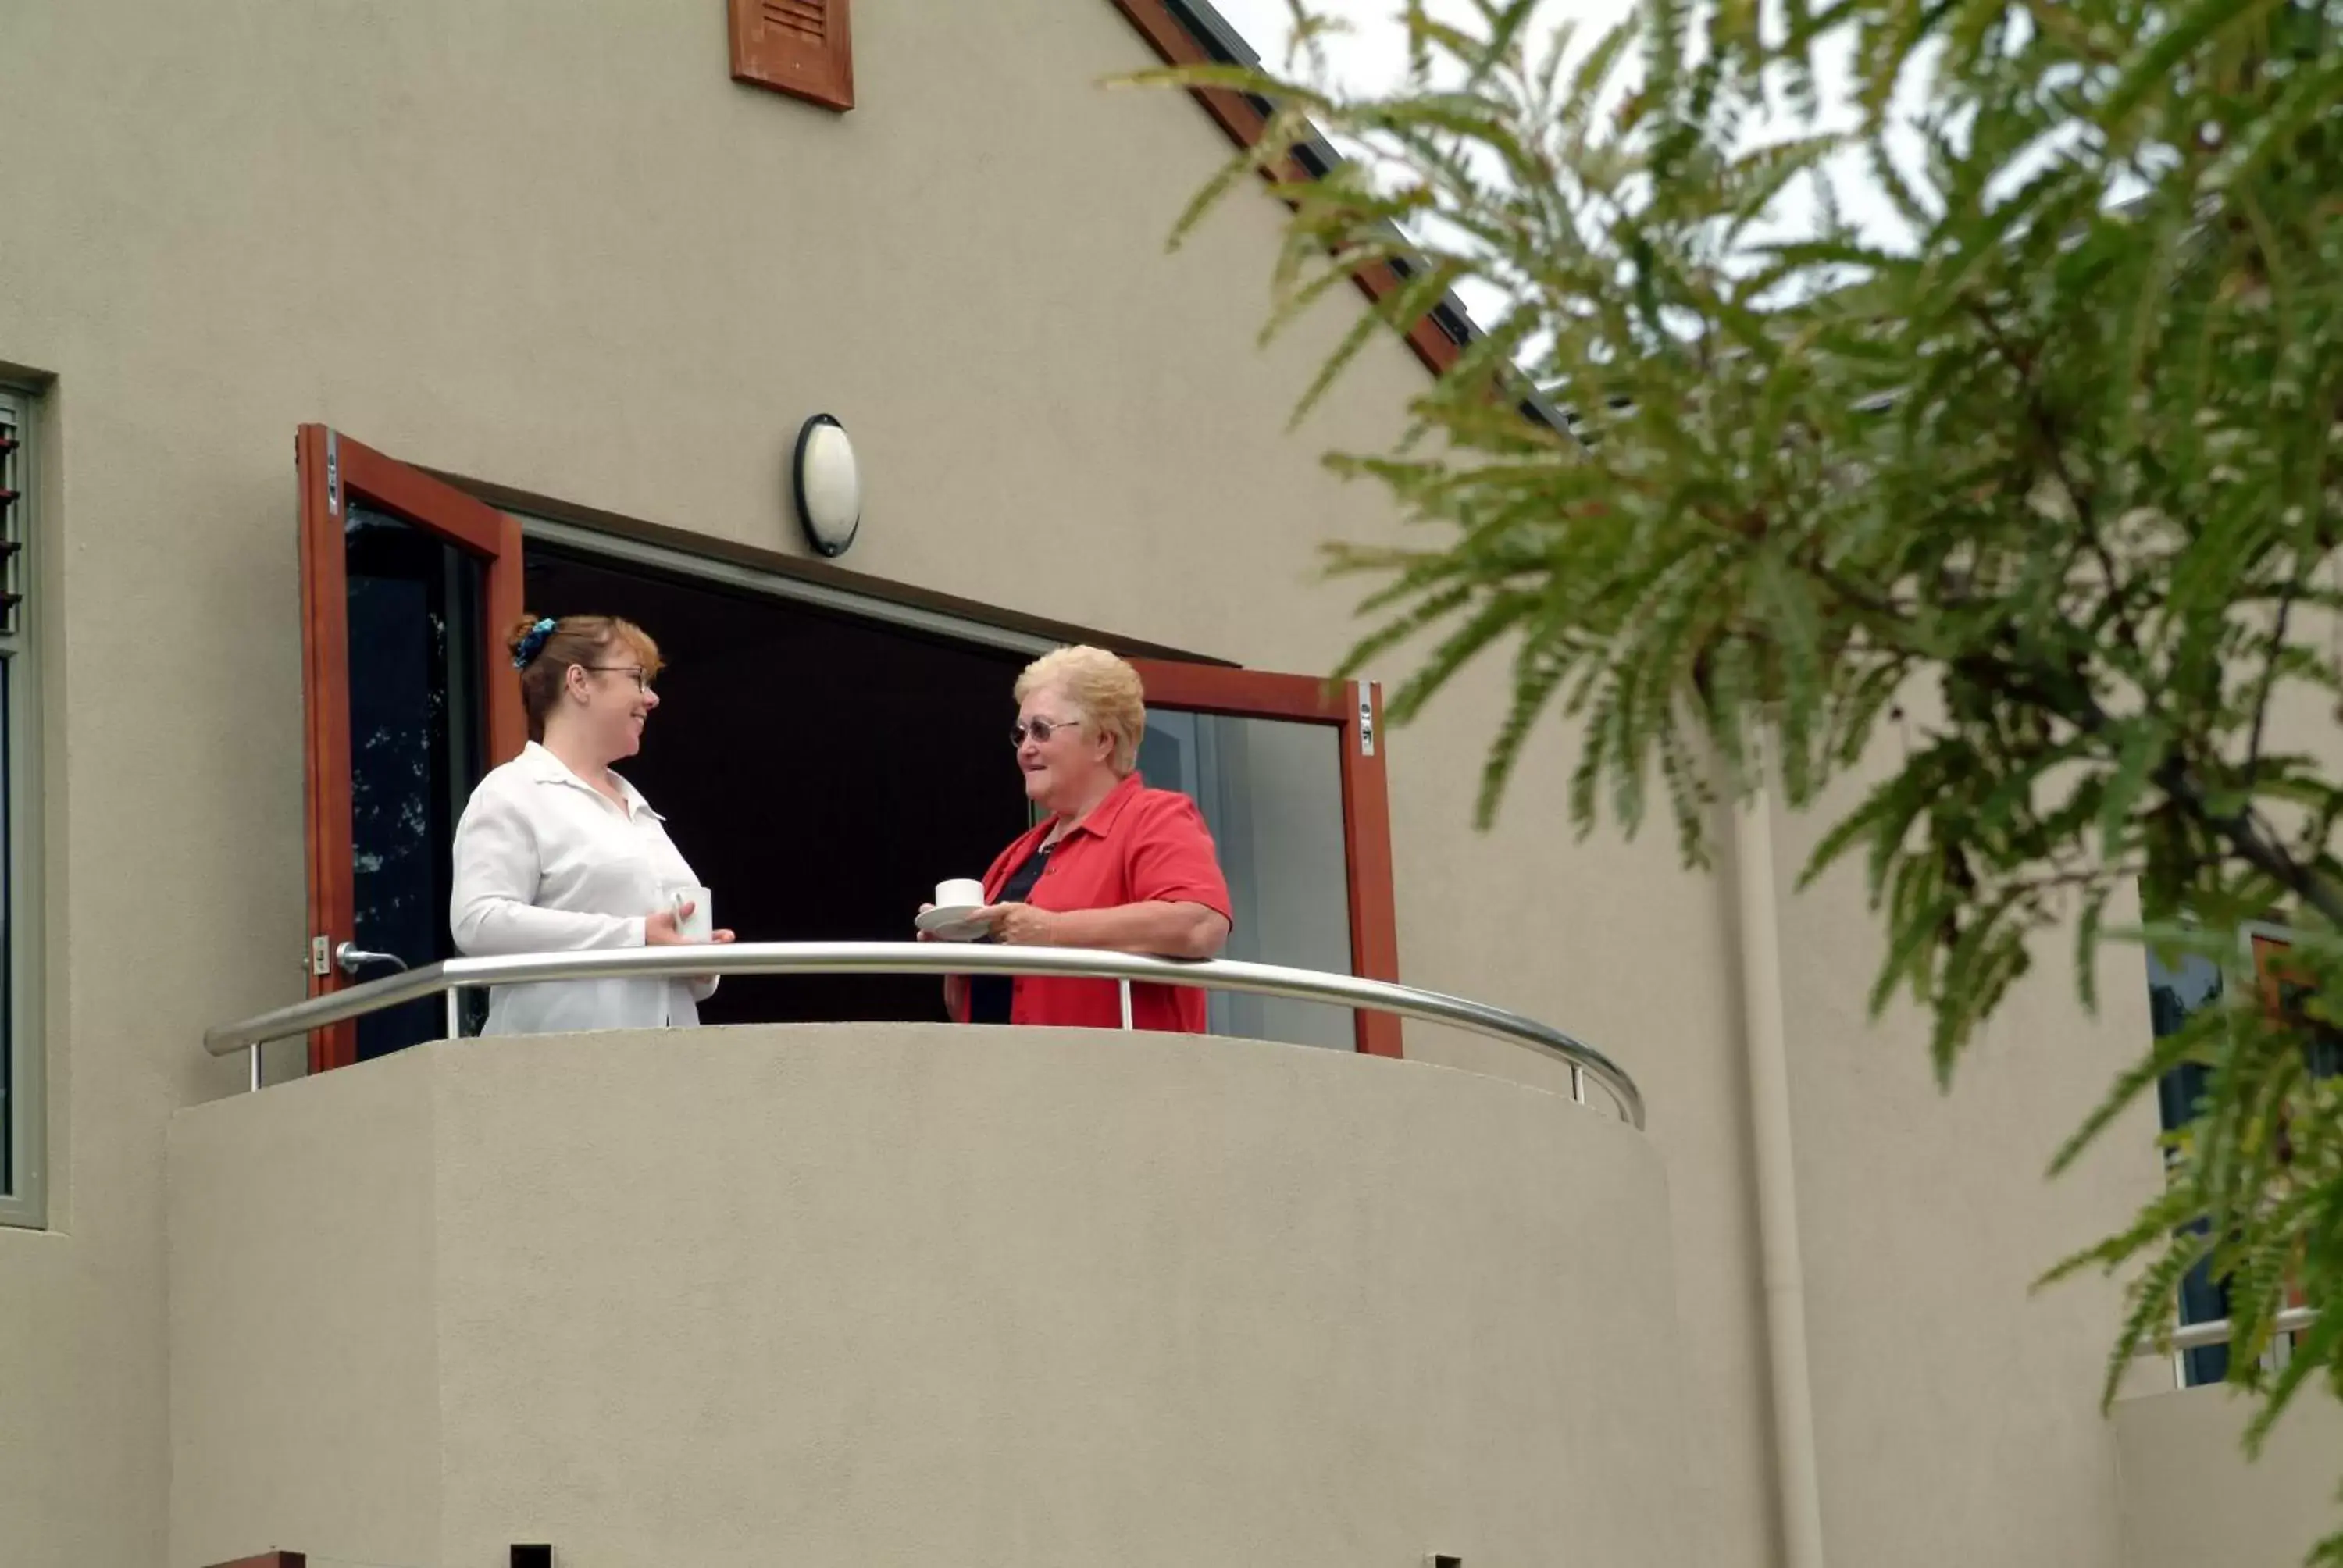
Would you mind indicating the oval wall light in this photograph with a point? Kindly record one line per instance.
(827, 484)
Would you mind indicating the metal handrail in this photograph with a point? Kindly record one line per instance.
(453, 976)
(2197, 1336)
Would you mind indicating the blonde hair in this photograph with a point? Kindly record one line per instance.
(1104, 687)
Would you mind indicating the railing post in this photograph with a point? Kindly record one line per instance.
(1124, 986)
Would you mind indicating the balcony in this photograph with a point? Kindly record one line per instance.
(917, 1294)
(2189, 1495)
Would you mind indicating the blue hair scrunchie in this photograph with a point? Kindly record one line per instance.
(531, 641)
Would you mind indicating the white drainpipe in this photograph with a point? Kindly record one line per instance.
(1764, 1033)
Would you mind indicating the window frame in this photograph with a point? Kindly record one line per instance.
(24, 1203)
(2260, 944)
(2266, 941)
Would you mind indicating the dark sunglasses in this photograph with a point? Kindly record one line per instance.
(1041, 730)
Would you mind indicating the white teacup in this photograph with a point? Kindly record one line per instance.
(960, 892)
(701, 923)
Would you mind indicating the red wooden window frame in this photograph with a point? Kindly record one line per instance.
(332, 469)
(2272, 975)
(1355, 709)
(801, 47)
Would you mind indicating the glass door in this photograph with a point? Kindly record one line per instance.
(406, 587)
(1288, 771)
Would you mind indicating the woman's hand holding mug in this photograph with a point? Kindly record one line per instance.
(671, 927)
(674, 926)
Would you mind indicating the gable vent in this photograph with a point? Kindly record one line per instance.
(801, 47)
(809, 19)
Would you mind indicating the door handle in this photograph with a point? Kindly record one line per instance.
(349, 958)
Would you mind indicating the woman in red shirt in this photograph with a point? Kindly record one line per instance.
(1114, 865)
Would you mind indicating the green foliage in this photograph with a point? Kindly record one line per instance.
(2010, 506)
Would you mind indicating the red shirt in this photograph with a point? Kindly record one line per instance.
(1139, 845)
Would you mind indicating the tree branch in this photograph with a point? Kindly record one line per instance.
(2045, 429)
(2268, 682)
(2242, 829)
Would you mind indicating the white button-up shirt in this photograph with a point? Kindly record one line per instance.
(546, 863)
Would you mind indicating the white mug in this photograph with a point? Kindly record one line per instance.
(699, 925)
(957, 892)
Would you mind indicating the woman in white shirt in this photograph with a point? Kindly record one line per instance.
(556, 852)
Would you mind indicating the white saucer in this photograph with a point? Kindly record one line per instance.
(950, 923)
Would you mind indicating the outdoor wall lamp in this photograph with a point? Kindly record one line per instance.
(827, 484)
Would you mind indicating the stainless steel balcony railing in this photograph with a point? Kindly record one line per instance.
(2197, 1336)
(456, 976)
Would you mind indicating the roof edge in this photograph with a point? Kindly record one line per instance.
(1192, 33)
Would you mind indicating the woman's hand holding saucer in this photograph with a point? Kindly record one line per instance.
(1021, 925)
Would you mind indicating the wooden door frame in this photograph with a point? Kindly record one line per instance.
(332, 469)
(1355, 709)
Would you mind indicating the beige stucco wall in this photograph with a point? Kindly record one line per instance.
(1956, 1415)
(552, 246)
(909, 1294)
(2188, 1499)
(304, 1278)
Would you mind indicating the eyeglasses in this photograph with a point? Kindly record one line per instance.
(1041, 730)
(642, 680)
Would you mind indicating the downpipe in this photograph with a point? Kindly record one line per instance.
(1764, 1037)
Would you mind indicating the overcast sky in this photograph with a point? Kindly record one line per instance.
(1373, 55)
(1378, 55)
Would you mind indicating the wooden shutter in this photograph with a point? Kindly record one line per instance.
(801, 47)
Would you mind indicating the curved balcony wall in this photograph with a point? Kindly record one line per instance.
(912, 1294)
